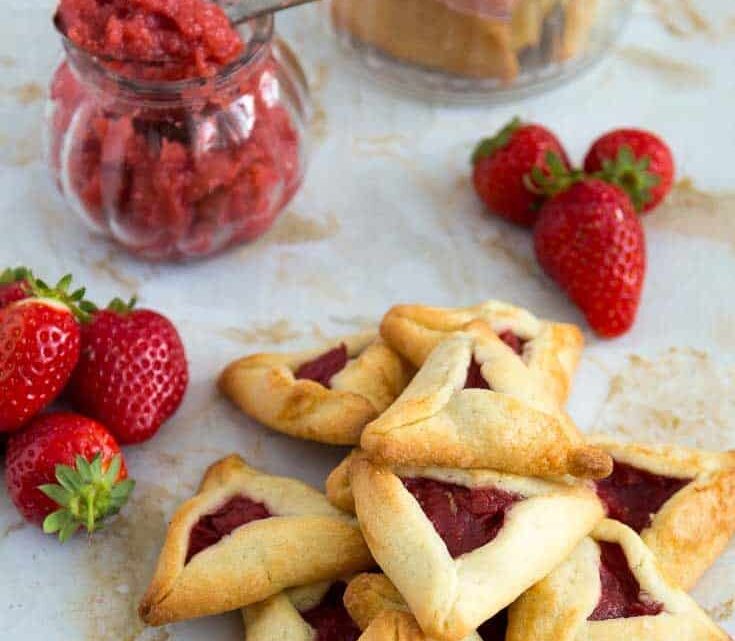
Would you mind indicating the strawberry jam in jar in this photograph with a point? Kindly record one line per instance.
(172, 131)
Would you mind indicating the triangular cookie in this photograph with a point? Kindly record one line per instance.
(680, 500)
(475, 403)
(461, 545)
(302, 614)
(551, 349)
(609, 589)
(247, 536)
(326, 395)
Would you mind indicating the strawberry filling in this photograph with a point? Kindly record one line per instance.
(330, 619)
(494, 629)
(475, 379)
(633, 496)
(324, 367)
(212, 527)
(185, 38)
(464, 518)
(515, 342)
(621, 596)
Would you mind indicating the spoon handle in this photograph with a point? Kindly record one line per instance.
(239, 10)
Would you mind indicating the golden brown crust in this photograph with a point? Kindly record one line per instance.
(579, 17)
(430, 34)
(558, 608)
(695, 525)
(451, 597)
(694, 528)
(368, 595)
(378, 608)
(391, 625)
(275, 619)
(264, 387)
(515, 426)
(528, 22)
(279, 618)
(306, 541)
(553, 349)
(339, 486)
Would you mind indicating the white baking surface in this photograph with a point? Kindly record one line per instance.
(386, 216)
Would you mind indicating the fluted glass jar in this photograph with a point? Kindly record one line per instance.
(177, 170)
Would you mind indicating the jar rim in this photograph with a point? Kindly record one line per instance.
(261, 36)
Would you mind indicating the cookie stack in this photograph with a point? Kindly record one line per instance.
(478, 507)
(453, 36)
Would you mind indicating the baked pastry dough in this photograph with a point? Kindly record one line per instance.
(293, 615)
(334, 411)
(568, 604)
(579, 19)
(430, 34)
(338, 485)
(691, 494)
(456, 580)
(434, 35)
(297, 538)
(528, 21)
(551, 349)
(372, 610)
(513, 425)
(378, 608)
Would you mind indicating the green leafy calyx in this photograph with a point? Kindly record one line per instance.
(15, 275)
(489, 146)
(631, 174)
(553, 178)
(119, 306)
(62, 292)
(86, 494)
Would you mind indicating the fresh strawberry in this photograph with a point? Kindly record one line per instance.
(132, 372)
(14, 285)
(591, 242)
(636, 160)
(501, 164)
(85, 460)
(39, 347)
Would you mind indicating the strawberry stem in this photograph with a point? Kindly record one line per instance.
(631, 174)
(488, 146)
(15, 275)
(86, 494)
(120, 306)
(555, 178)
(74, 300)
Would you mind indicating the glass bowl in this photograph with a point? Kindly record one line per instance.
(476, 50)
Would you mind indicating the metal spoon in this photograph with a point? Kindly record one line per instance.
(241, 10)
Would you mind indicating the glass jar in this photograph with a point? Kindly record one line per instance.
(477, 50)
(176, 170)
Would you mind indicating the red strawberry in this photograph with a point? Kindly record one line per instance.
(132, 372)
(85, 460)
(39, 347)
(14, 285)
(638, 161)
(591, 242)
(501, 164)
